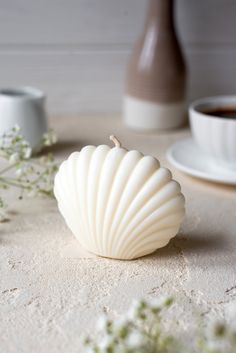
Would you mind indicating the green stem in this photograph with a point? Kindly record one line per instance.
(4, 170)
(39, 177)
(21, 185)
(12, 182)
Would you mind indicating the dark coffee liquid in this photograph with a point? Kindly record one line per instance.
(224, 112)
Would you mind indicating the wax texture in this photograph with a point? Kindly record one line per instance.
(119, 204)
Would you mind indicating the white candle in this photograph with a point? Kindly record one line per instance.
(118, 203)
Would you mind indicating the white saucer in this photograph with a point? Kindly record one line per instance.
(186, 156)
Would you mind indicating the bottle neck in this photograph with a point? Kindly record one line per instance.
(160, 13)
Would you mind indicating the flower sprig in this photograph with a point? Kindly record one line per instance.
(137, 332)
(142, 330)
(32, 176)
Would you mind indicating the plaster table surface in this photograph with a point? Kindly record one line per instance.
(52, 291)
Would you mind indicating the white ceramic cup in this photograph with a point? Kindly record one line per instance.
(24, 106)
(215, 135)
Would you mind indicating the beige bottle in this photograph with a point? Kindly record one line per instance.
(155, 87)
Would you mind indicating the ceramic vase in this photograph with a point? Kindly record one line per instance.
(155, 87)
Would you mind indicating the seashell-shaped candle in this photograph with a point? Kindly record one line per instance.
(119, 204)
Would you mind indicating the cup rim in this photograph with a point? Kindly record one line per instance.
(21, 93)
(213, 101)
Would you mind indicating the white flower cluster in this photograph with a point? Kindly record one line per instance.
(220, 337)
(33, 176)
(49, 138)
(137, 332)
(14, 147)
(141, 331)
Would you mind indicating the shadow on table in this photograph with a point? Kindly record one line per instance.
(65, 147)
(196, 242)
(193, 244)
(209, 186)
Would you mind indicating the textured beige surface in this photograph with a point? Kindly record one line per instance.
(51, 290)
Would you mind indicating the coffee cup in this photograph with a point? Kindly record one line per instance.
(24, 106)
(213, 126)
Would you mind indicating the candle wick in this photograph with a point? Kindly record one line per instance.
(115, 141)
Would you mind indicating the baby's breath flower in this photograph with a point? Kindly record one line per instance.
(49, 138)
(86, 340)
(19, 172)
(121, 328)
(215, 330)
(92, 350)
(137, 310)
(106, 345)
(160, 303)
(135, 340)
(32, 177)
(24, 169)
(27, 152)
(102, 323)
(219, 330)
(16, 128)
(14, 158)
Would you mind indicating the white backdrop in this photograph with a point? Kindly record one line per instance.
(77, 50)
